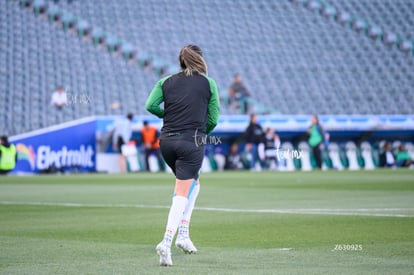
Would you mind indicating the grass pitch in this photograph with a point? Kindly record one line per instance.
(245, 223)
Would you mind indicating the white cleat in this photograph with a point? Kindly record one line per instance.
(186, 245)
(165, 254)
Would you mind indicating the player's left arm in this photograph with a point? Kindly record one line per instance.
(213, 107)
(155, 98)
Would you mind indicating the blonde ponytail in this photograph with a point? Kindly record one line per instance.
(191, 60)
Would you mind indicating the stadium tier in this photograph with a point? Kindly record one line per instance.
(37, 57)
(392, 15)
(293, 60)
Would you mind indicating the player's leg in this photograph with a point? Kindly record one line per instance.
(188, 159)
(318, 156)
(191, 164)
(164, 248)
(122, 159)
(178, 205)
(254, 156)
(147, 155)
(183, 240)
(179, 202)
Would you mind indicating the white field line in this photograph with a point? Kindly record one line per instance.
(370, 212)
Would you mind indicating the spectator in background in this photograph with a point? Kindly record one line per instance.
(233, 159)
(254, 136)
(387, 158)
(151, 142)
(316, 140)
(403, 157)
(59, 98)
(8, 156)
(239, 95)
(122, 135)
(271, 143)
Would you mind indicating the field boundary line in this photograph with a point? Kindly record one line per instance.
(369, 212)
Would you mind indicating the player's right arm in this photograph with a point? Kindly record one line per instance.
(213, 107)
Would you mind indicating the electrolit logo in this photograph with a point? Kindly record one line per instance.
(46, 157)
(26, 153)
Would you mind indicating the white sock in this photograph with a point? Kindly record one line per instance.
(174, 218)
(184, 228)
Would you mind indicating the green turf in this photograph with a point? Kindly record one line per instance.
(110, 224)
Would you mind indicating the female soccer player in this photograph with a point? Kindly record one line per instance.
(316, 138)
(191, 110)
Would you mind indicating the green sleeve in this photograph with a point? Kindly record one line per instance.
(213, 107)
(155, 99)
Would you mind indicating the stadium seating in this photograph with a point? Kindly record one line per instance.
(38, 57)
(306, 156)
(351, 154)
(293, 59)
(394, 15)
(367, 155)
(286, 164)
(410, 148)
(335, 156)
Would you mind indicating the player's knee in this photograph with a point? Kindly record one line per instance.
(183, 187)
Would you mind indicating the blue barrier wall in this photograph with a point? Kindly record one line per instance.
(293, 128)
(73, 145)
(66, 147)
